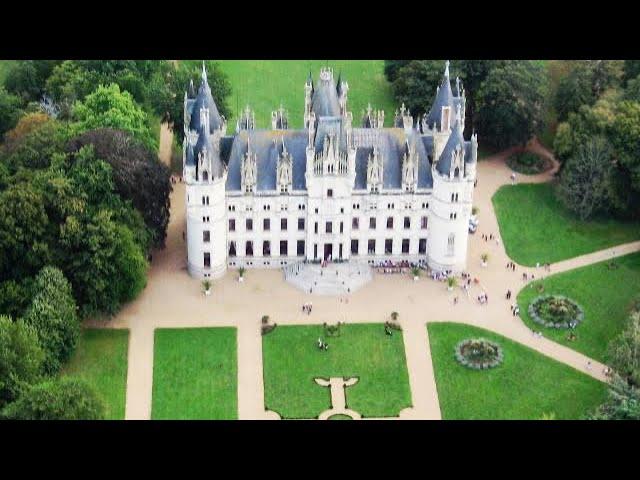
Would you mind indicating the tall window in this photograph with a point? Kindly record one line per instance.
(451, 244)
(354, 247)
(405, 245)
(249, 249)
(232, 249)
(422, 246)
(423, 222)
(207, 260)
(300, 248)
(283, 224)
(329, 227)
(266, 224)
(315, 228)
(372, 223)
(232, 224)
(249, 224)
(266, 248)
(371, 247)
(330, 192)
(407, 223)
(341, 227)
(388, 246)
(284, 248)
(206, 236)
(355, 223)
(389, 222)
(301, 224)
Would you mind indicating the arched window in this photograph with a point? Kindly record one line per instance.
(451, 244)
(205, 176)
(456, 172)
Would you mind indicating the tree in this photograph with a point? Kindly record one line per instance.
(391, 68)
(67, 84)
(35, 148)
(625, 138)
(138, 175)
(574, 90)
(632, 91)
(9, 111)
(110, 107)
(27, 78)
(416, 83)
(108, 266)
(631, 70)
(26, 124)
(20, 358)
(23, 232)
(15, 296)
(584, 185)
(65, 398)
(623, 403)
(624, 352)
(53, 315)
(511, 103)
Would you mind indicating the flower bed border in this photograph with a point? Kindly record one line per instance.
(464, 361)
(545, 323)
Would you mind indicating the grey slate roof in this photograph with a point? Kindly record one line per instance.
(455, 139)
(444, 98)
(267, 157)
(205, 99)
(325, 100)
(190, 157)
(204, 141)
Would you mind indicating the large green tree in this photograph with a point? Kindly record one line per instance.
(64, 398)
(10, 111)
(53, 315)
(138, 175)
(110, 107)
(624, 352)
(27, 78)
(20, 358)
(392, 67)
(625, 137)
(511, 103)
(584, 185)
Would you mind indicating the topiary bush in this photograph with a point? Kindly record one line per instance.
(555, 311)
(528, 163)
(479, 353)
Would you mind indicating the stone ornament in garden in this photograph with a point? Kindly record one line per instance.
(555, 311)
(479, 353)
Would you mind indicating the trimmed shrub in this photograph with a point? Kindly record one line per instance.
(555, 311)
(479, 353)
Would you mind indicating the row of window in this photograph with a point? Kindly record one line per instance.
(355, 224)
(232, 208)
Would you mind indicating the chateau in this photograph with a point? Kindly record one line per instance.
(267, 198)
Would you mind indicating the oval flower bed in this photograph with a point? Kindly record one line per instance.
(555, 311)
(479, 353)
(528, 163)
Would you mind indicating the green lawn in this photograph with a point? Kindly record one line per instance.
(101, 360)
(535, 226)
(526, 386)
(264, 84)
(195, 374)
(292, 361)
(605, 295)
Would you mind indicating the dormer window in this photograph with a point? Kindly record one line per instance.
(446, 119)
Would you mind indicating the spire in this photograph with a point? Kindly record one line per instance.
(446, 69)
(204, 73)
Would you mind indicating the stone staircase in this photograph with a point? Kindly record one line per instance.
(334, 279)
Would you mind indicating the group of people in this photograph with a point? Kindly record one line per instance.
(322, 345)
(387, 266)
(511, 266)
(526, 277)
(306, 308)
(483, 298)
(508, 295)
(176, 179)
(515, 310)
(440, 276)
(536, 334)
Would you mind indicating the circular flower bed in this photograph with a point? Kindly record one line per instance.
(556, 311)
(479, 353)
(528, 163)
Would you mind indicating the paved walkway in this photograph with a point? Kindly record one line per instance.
(173, 299)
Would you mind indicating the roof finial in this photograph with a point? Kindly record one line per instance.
(446, 69)
(204, 72)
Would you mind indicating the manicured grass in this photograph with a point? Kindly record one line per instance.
(527, 385)
(605, 295)
(292, 361)
(195, 374)
(535, 226)
(265, 84)
(101, 360)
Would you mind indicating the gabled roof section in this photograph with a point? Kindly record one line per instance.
(455, 140)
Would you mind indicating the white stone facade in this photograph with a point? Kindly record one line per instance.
(333, 216)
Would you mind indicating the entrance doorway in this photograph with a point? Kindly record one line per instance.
(328, 251)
